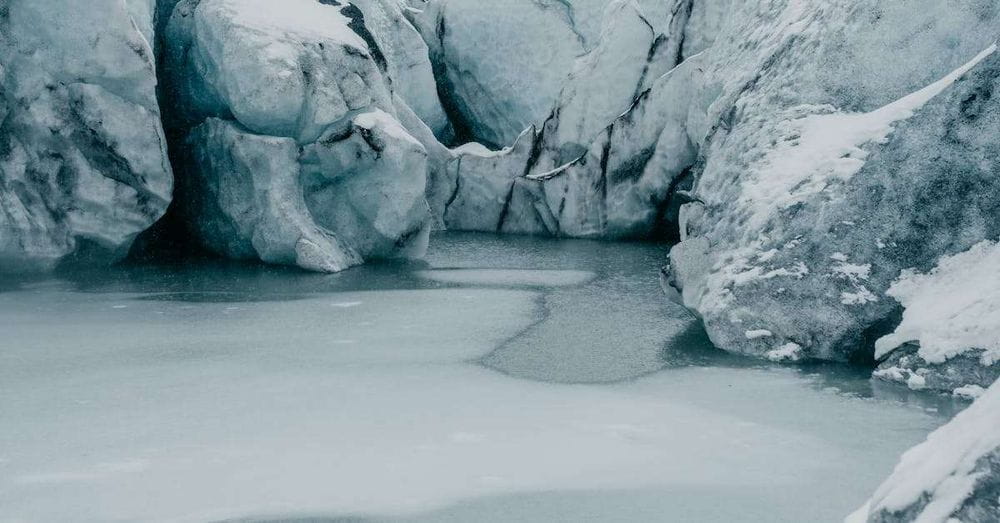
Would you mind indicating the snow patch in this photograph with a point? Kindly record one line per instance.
(951, 310)
(516, 277)
(970, 392)
(758, 334)
(820, 145)
(787, 352)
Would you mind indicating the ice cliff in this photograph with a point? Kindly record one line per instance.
(83, 158)
(285, 136)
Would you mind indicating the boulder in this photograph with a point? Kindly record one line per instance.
(832, 165)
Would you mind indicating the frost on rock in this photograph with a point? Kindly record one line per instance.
(953, 476)
(83, 166)
(950, 333)
(831, 166)
(307, 81)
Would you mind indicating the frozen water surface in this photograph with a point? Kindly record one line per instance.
(536, 381)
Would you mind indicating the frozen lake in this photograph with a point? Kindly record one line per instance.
(503, 380)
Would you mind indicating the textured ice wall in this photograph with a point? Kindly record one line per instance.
(294, 155)
(83, 159)
(849, 141)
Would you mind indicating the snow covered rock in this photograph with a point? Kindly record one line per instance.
(832, 165)
(949, 338)
(300, 159)
(953, 476)
(83, 165)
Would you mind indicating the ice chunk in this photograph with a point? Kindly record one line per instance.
(83, 158)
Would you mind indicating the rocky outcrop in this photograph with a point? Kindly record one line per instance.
(83, 159)
(291, 150)
(953, 476)
(833, 165)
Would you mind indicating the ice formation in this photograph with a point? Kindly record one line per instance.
(83, 159)
(292, 153)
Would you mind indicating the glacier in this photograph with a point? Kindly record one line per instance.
(824, 172)
(83, 157)
(291, 153)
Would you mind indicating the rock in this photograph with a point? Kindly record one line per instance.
(367, 186)
(949, 336)
(246, 201)
(705, 22)
(83, 165)
(602, 86)
(953, 476)
(484, 184)
(291, 72)
(497, 83)
(308, 82)
(831, 166)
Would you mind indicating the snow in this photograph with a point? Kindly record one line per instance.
(952, 309)
(758, 334)
(787, 352)
(307, 18)
(821, 145)
(969, 392)
(943, 467)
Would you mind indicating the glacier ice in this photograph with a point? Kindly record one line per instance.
(292, 107)
(491, 70)
(619, 140)
(83, 159)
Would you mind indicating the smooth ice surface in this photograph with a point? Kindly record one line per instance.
(213, 391)
(543, 278)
